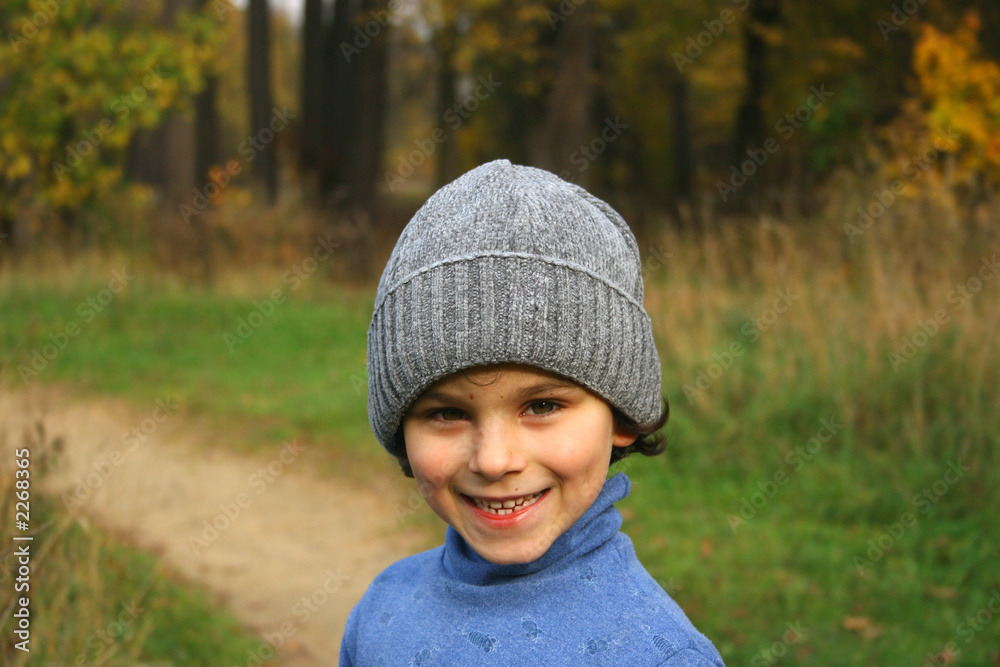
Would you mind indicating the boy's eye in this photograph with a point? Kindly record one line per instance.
(542, 407)
(449, 414)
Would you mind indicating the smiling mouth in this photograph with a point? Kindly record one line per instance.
(504, 507)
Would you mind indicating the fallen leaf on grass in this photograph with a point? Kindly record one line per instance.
(941, 592)
(706, 548)
(862, 625)
(945, 656)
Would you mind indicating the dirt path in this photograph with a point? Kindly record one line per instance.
(289, 553)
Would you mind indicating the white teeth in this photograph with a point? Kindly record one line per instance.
(505, 507)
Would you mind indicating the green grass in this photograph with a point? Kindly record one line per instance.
(793, 560)
(756, 527)
(301, 372)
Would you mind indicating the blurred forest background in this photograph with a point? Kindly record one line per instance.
(197, 198)
(680, 113)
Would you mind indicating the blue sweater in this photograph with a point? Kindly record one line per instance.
(586, 601)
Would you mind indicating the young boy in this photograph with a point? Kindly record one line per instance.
(510, 361)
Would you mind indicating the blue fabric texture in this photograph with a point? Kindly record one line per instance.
(586, 601)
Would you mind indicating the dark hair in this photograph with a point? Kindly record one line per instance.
(650, 440)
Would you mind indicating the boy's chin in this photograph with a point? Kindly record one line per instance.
(515, 553)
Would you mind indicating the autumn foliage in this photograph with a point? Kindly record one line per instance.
(959, 88)
(78, 79)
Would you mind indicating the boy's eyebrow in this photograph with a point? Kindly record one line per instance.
(544, 387)
(526, 392)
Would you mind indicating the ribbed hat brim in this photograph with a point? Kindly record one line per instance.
(509, 310)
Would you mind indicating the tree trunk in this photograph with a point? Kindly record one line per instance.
(447, 162)
(339, 98)
(208, 152)
(683, 152)
(570, 105)
(362, 172)
(312, 85)
(259, 90)
(355, 96)
(165, 156)
(206, 121)
(763, 14)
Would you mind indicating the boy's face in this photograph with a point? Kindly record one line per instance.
(531, 440)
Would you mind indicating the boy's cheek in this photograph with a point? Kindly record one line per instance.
(430, 472)
(580, 502)
(574, 462)
(426, 488)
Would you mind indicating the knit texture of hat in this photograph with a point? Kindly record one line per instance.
(511, 264)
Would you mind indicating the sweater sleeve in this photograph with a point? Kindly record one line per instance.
(348, 645)
(690, 657)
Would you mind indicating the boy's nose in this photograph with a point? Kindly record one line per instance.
(496, 451)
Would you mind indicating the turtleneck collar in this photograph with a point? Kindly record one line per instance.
(597, 525)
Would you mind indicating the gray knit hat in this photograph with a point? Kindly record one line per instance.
(511, 264)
